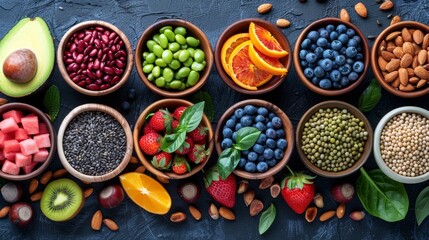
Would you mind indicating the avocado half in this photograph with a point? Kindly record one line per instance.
(33, 34)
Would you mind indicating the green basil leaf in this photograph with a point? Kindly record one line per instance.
(52, 102)
(370, 97)
(209, 109)
(422, 205)
(381, 196)
(246, 138)
(191, 117)
(267, 218)
(227, 162)
(172, 142)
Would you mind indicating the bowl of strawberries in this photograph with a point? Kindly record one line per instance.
(173, 138)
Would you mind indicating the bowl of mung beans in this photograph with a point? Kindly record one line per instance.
(401, 144)
(94, 142)
(334, 139)
(173, 58)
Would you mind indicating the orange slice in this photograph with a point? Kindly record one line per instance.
(243, 71)
(268, 64)
(146, 192)
(265, 42)
(229, 46)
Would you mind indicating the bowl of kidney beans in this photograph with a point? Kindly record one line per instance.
(95, 58)
(331, 57)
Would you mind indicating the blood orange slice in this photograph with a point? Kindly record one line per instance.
(229, 46)
(243, 71)
(265, 42)
(268, 64)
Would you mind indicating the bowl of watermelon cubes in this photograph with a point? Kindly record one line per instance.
(173, 138)
(27, 143)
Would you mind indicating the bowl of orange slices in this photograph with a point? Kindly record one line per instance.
(253, 56)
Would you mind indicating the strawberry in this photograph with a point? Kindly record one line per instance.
(180, 165)
(148, 129)
(198, 154)
(178, 112)
(199, 135)
(150, 143)
(186, 147)
(174, 124)
(223, 191)
(162, 160)
(298, 190)
(160, 120)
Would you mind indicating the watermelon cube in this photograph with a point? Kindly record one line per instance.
(10, 156)
(41, 155)
(10, 168)
(28, 146)
(29, 168)
(8, 125)
(43, 128)
(30, 124)
(15, 114)
(21, 134)
(22, 160)
(5, 136)
(43, 140)
(11, 146)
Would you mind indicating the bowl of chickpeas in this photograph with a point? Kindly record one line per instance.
(173, 58)
(401, 144)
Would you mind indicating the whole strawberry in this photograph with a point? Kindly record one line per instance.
(148, 129)
(178, 112)
(162, 160)
(186, 147)
(298, 190)
(198, 154)
(150, 143)
(180, 165)
(199, 135)
(223, 191)
(160, 120)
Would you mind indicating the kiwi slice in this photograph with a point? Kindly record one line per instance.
(61, 200)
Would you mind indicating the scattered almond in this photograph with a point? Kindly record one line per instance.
(178, 217)
(96, 220)
(46, 177)
(310, 214)
(140, 169)
(248, 197)
(226, 213)
(357, 215)
(162, 179)
(110, 224)
(195, 212)
(326, 216)
(4, 211)
(403, 76)
(256, 207)
(3, 101)
(59, 173)
(282, 23)
(341, 210)
(275, 190)
(243, 185)
(264, 8)
(421, 83)
(32, 186)
(87, 192)
(395, 20)
(213, 212)
(387, 5)
(318, 200)
(361, 10)
(344, 15)
(134, 160)
(418, 36)
(36, 196)
(266, 182)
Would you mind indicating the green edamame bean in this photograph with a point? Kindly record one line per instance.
(180, 39)
(167, 85)
(145, 55)
(150, 58)
(196, 66)
(150, 44)
(169, 34)
(167, 56)
(180, 30)
(168, 74)
(174, 46)
(160, 82)
(193, 78)
(174, 64)
(184, 46)
(148, 68)
(160, 62)
(157, 50)
(188, 62)
(199, 56)
(182, 87)
(175, 84)
(163, 40)
(183, 72)
(156, 38)
(193, 42)
(184, 55)
(176, 54)
(150, 77)
(162, 30)
(145, 63)
(191, 51)
(204, 63)
(156, 71)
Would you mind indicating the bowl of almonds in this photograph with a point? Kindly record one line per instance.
(400, 57)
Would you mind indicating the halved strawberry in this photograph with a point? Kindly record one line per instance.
(162, 160)
(198, 154)
(199, 135)
(186, 147)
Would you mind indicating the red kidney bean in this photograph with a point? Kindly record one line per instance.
(79, 58)
(98, 82)
(119, 63)
(103, 58)
(69, 60)
(93, 52)
(115, 80)
(81, 35)
(87, 50)
(90, 64)
(74, 55)
(91, 75)
(82, 83)
(73, 47)
(105, 39)
(110, 55)
(96, 63)
(88, 81)
(97, 43)
(75, 79)
(102, 64)
(113, 48)
(110, 63)
(80, 46)
(117, 71)
(87, 37)
(93, 87)
(72, 75)
(122, 59)
(106, 32)
(85, 59)
(67, 54)
(99, 29)
(104, 86)
(116, 39)
(107, 78)
(112, 35)
(99, 74)
(83, 66)
(108, 70)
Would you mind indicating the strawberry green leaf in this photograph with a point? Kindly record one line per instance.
(422, 205)
(267, 218)
(52, 102)
(172, 142)
(209, 107)
(191, 117)
(246, 138)
(228, 161)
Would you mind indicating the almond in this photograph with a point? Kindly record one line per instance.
(403, 76)
(421, 72)
(275, 190)
(344, 15)
(408, 88)
(383, 45)
(162, 179)
(391, 76)
(310, 214)
(266, 182)
(341, 210)
(410, 72)
(399, 52)
(382, 63)
(59, 173)
(387, 5)
(395, 83)
(36, 196)
(256, 207)
(417, 49)
(418, 36)
(422, 57)
(357, 215)
(96, 220)
(408, 47)
(46, 177)
(326, 216)
(110, 224)
(393, 35)
(387, 55)
(415, 62)
(406, 35)
(213, 212)
(3, 101)
(399, 41)
(318, 200)
(4, 211)
(283, 23)
(414, 80)
(393, 65)
(361, 10)
(226, 213)
(32, 186)
(421, 83)
(134, 160)
(406, 60)
(425, 43)
(248, 197)
(243, 185)
(87, 193)
(264, 8)
(196, 214)
(395, 20)
(140, 169)
(178, 217)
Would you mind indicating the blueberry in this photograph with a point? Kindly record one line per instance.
(340, 60)
(244, 152)
(261, 158)
(319, 72)
(343, 38)
(335, 75)
(336, 85)
(313, 35)
(302, 54)
(315, 81)
(262, 167)
(271, 162)
(271, 143)
(280, 133)
(271, 115)
(131, 94)
(252, 156)
(352, 43)
(304, 63)
(323, 34)
(357, 39)
(322, 42)
(353, 76)
(282, 143)
(309, 73)
(358, 66)
(238, 126)
(226, 143)
(277, 122)
(350, 61)
(328, 53)
(341, 28)
(278, 154)
(250, 167)
(242, 162)
(269, 125)
(319, 52)
(313, 47)
(258, 148)
(345, 69)
(333, 35)
(239, 113)
(359, 56)
(345, 81)
(230, 123)
(250, 109)
(246, 121)
(260, 126)
(311, 57)
(336, 45)
(330, 28)
(325, 84)
(350, 32)
(268, 153)
(326, 65)
(262, 138)
(336, 53)
(259, 118)
(271, 133)
(227, 132)
(343, 51)
(234, 136)
(125, 106)
(262, 111)
(306, 44)
(351, 52)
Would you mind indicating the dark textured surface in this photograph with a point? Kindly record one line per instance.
(213, 17)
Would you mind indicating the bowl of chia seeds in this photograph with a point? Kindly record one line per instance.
(94, 142)
(334, 139)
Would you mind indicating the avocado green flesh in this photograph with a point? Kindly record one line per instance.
(33, 34)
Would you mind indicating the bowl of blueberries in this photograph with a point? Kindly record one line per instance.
(331, 57)
(274, 145)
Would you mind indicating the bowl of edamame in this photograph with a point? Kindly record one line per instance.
(173, 58)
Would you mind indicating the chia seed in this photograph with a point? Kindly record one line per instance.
(94, 143)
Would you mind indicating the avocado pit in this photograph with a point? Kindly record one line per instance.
(20, 66)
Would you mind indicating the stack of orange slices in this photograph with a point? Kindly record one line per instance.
(251, 59)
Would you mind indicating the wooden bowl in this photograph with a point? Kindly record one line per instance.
(242, 26)
(287, 126)
(170, 104)
(341, 105)
(375, 53)
(42, 116)
(192, 30)
(62, 66)
(94, 107)
(300, 72)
